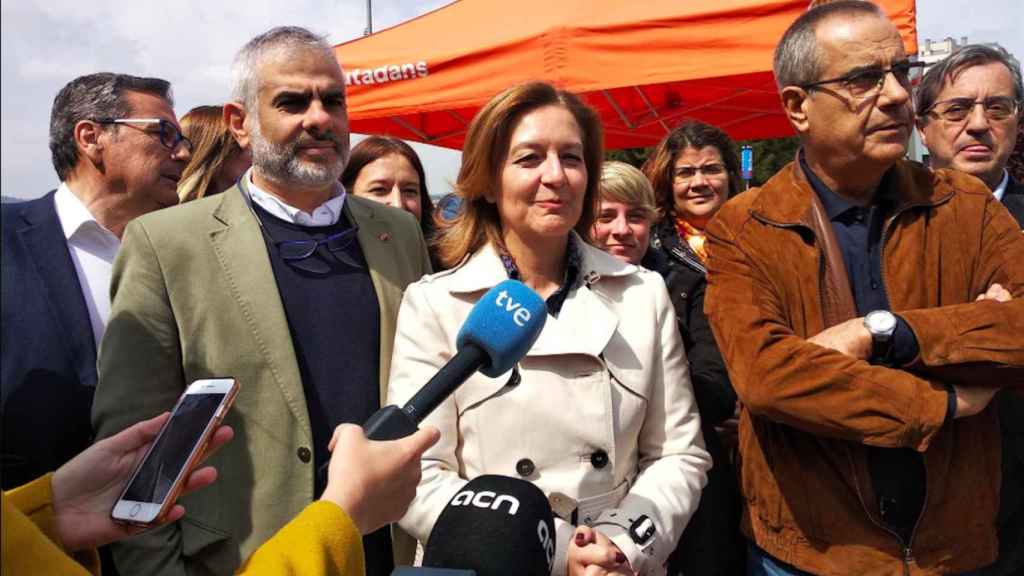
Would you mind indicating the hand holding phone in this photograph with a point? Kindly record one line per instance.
(85, 488)
(160, 477)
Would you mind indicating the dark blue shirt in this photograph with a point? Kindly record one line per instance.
(573, 264)
(858, 230)
(897, 474)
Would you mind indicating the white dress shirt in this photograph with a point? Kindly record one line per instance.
(92, 249)
(324, 215)
(1001, 189)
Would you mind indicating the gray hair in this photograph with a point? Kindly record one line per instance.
(961, 59)
(244, 70)
(93, 97)
(797, 58)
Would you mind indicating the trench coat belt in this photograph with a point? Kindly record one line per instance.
(586, 510)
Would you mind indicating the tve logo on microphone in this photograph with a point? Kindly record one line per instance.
(520, 315)
(505, 323)
(486, 499)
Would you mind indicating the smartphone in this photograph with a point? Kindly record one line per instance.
(159, 478)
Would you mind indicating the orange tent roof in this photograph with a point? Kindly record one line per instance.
(644, 65)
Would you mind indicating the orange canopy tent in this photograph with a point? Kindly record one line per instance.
(643, 65)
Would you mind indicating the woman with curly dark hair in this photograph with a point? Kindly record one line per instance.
(693, 171)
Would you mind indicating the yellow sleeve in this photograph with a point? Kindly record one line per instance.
(30, 542)
(321, 540)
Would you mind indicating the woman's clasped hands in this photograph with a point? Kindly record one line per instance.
(591, 553)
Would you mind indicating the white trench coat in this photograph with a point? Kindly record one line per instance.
(604, 419)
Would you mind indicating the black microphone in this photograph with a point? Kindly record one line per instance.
(495, 526)
(499, 331)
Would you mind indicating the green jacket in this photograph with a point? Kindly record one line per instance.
(194, 297)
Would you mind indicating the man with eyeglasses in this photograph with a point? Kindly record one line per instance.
(286, 283)
(968, 108)
(118, 153)
(843, 294)
(968, 111)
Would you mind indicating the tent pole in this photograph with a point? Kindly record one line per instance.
(618, 110)
(369, 18)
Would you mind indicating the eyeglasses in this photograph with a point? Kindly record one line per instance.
(687, 173)
(996, 108)
(170, 136)
(298, 253)
(868, 82)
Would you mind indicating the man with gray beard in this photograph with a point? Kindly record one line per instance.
(285, 283)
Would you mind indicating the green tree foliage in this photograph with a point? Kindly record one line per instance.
(633, 156)
(770, 156)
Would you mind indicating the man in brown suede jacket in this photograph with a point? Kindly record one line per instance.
(867, 310)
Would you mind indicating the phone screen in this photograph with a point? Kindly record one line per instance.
(171, 452)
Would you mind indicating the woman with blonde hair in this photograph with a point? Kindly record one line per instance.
(599, 414)
(217, 160)
(625, 213)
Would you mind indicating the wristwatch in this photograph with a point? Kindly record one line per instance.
(881, 324)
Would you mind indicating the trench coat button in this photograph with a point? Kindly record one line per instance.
(304, 454)
(599, 459)
(525, 467)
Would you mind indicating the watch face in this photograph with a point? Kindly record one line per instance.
(881, 322)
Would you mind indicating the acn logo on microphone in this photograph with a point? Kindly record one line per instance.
(546, 542)
(520, 315)
(486, 499)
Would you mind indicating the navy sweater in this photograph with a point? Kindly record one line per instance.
(333, 317)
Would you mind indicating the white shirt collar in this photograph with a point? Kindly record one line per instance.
(78, 223)
(326, 214)
(1001, 189)
(93, 249)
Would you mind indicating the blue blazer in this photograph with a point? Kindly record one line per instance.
(1010, 404)
(1013, 199)
(47, 354)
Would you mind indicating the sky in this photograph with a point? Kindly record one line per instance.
(43, 45)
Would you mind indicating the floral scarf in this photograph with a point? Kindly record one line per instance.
(693, 236)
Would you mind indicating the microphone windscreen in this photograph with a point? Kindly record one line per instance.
(505, 323)
(497, 526)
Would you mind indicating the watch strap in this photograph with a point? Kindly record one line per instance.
(881, 350)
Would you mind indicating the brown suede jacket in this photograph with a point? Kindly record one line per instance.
(776, 277)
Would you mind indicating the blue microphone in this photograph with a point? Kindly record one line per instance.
(499, 331)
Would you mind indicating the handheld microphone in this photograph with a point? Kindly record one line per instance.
(499, 331)
(495, 526)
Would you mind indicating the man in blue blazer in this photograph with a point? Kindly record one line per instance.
(118, 151)
(1013, 198)
(968, 110)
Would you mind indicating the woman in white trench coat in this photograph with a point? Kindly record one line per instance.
(603, 419)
